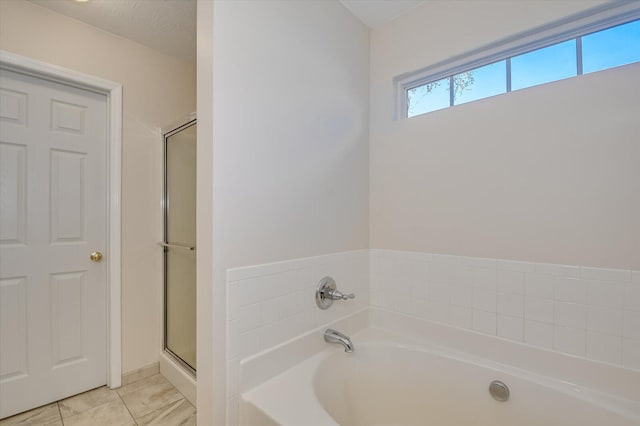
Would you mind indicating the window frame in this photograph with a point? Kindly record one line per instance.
(571, 27)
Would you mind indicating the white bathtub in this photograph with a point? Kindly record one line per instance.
(390, 380)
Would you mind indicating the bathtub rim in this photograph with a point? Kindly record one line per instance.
(372, 337)
(606, 378)
(612, 382)
(272, 398)
(621, 382)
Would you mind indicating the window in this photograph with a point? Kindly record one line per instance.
(429, 97)
(545, 65)
(480, 83)
(615, 42)
(611, 48)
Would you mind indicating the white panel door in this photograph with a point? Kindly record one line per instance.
(53, 329)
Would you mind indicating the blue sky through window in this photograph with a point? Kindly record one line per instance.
(611, 48)
(604, 49)
(488, 81)
(430, 97)
(544, 65)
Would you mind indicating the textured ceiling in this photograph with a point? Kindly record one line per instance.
(375, 13)
(165, 25)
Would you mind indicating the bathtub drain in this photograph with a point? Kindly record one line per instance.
(499, 391)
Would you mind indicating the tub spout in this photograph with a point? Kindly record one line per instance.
(333, 336)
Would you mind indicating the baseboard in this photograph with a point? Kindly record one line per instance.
(140, 373)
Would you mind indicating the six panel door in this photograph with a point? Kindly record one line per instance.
(53, 192)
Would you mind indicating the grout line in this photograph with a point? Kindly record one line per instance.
(135, 421)
(89, 409)
(60, 412)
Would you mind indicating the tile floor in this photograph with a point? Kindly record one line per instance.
(150, 401)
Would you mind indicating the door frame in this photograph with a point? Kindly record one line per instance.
(113, 92)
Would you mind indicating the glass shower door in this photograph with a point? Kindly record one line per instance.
(179, 244)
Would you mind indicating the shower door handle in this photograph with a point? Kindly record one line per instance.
(176, 245)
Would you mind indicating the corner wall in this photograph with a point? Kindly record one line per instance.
(210, 380)
(290, 110)
(290, 145)
(545, 174)
(157, 90)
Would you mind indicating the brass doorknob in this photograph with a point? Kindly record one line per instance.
(96, 256)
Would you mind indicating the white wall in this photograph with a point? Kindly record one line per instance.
(210, 301)
(290, 108)
(546, 174)
(157, 90)
(290, 146)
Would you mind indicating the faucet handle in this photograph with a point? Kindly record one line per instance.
(338, 295)
(327, 292)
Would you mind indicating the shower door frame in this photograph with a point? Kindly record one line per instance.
(167, 132)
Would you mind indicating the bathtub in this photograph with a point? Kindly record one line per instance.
(393, 380)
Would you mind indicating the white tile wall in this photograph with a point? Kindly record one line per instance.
(272, 303)
(604, 347)
(538, 334)
(539, 309)
(569, 340)
(631, 353)
(511, 327)
(588, 312)
(584, 311)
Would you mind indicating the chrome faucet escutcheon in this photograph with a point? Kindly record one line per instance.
(333, 336)
(327, 292)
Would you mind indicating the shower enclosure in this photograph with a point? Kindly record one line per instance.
(179, 249)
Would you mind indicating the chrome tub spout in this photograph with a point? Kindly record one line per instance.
(333, 336)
